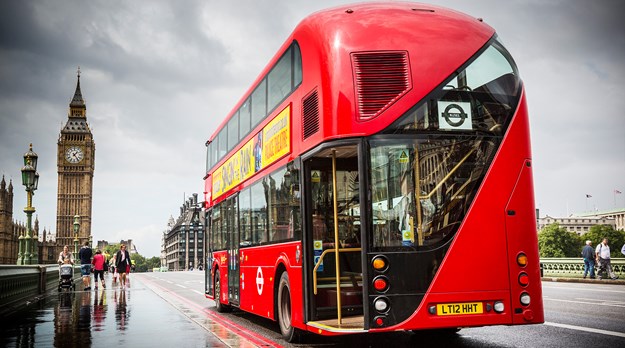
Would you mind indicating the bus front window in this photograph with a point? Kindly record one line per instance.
(422, 188)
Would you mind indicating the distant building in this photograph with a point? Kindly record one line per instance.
(184, 238)
(617, 214)
(577, 224)
(9, 230)
(130, 246)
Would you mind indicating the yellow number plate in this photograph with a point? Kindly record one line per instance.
(459, 308)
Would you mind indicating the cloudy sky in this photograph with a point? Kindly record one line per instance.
(159, 76)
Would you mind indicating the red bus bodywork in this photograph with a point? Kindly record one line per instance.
(479, 263)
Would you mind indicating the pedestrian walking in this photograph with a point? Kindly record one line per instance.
(588, 253)
(85, 254)
(122, 264)
(603, 260)
(98, 268)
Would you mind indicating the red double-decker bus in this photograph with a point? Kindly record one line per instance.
(377, 177)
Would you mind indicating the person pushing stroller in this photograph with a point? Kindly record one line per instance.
(66, 269)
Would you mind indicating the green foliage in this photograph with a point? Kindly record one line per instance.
(144, 265)
(616, 238)
(139, 262)
(555, 241)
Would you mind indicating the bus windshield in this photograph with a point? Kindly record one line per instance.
(423, 184)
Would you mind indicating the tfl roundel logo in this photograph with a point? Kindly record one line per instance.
(454, 115)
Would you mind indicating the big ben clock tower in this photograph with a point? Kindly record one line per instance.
(75, 165)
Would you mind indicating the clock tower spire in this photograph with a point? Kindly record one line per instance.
(75, 167)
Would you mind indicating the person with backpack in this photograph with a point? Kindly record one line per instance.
(98, 266)
(603, 260)
(85, 254)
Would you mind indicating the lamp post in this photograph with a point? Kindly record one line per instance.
(30, 179)
(76, 228)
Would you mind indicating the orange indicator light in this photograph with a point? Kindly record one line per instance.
(521, 260)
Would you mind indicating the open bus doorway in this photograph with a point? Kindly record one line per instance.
(334, 238)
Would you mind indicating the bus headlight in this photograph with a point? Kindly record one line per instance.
(499, 307)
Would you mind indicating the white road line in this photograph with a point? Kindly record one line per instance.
(584, 302)
(170, 282)
(593, 289)
(587, 329)
(201, 293)
(598, 300)
(182, 286)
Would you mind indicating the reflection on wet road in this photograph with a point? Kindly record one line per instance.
(134, 316)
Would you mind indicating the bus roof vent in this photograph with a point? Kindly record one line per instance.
(381, 78)
(310, 113)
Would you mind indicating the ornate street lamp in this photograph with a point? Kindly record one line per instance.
(30, 179)
(76, 228)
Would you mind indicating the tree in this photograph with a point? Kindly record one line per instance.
(139, 262)
(616, 238)
(555, 241)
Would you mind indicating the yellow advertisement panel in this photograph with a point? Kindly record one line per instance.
(273, 142)
(277, 137)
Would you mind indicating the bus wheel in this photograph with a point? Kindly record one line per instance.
(289, 333)
(221, 308)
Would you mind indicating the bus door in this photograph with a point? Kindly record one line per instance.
(208, 257)
(333, 238)
(231, 220)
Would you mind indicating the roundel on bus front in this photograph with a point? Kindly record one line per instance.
(259, 281)
(454, 115)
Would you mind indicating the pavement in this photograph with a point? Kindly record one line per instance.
(619, 281)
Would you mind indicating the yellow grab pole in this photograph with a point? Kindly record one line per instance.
(336, 239)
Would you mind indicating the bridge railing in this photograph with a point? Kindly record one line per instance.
(574, 267)
(20, 284)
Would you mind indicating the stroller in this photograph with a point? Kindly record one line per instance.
(66, 277)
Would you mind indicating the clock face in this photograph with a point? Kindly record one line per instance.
(73, 154)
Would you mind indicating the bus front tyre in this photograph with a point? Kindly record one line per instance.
(289, 333)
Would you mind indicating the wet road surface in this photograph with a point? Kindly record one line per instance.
(134, 317)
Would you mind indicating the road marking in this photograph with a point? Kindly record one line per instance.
(587, 329)
(182, 286)
(201, 293)
(170, 282)
(593, 289)
(585, 302)
(604, 301)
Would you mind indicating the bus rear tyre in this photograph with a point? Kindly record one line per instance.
(289, 333)
(221, 308)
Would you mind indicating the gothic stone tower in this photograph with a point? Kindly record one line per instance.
(8, 235)
(75, 165)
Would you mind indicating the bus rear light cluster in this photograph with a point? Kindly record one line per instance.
(380, 264)
(524, 279)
